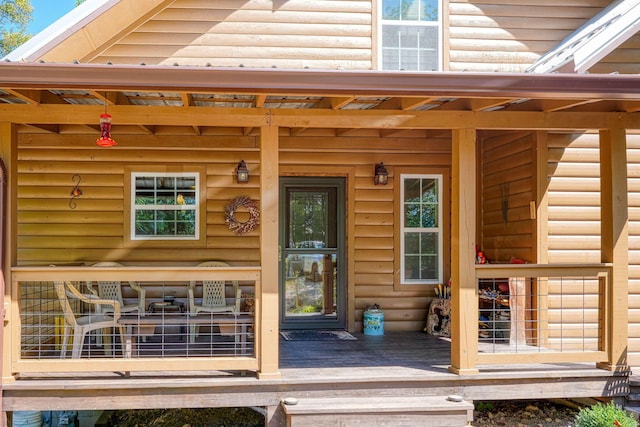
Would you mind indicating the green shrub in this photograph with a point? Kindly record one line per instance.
(600, 415)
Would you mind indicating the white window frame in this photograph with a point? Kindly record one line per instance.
(195, 207)
(439, 230)
(437, 23)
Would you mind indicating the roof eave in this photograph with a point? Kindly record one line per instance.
(361, 83)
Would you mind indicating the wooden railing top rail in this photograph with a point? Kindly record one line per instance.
(487, 271)
(146, 273)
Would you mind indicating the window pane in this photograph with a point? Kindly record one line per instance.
(412, 215)
(412, 267)
(429, 266)
(145, 228)
(308, 219)
(429, 243)
(410, 10)
(391, 9)
(412, 191)
(414, 47)
(412, 243)
(429, 216)
(429, 10)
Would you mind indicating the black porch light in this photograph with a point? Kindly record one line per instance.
(381, 176)
(242, 173)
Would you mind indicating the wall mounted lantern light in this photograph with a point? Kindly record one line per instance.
(242, 173)
(381, 176)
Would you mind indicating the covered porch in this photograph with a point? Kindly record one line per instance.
(265, 110)
(407, 365)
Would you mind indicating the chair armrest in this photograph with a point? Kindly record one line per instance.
(90, 288)
(191, 290)
(92, 299)
(141, 296)
(238, 299)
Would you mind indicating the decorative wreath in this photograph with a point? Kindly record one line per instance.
(230, 215)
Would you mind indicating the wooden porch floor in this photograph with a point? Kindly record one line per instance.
(395, 364)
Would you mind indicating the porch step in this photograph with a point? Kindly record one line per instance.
(379, 411)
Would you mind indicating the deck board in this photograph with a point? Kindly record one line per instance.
(396, 364)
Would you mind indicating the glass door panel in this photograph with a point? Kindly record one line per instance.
(312, 284)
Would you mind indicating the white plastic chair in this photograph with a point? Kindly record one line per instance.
(84, 323)
(113, 290)
(213, 297)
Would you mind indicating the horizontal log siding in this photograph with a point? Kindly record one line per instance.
(633, 183)
(253, 33)
(574, 214)
(509, 35)
(507, 188)
(623, 60)
(49, 232)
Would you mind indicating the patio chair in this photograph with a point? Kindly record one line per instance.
(113, 290)
(87, 322)
(213, 297)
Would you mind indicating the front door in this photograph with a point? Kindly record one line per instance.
(312, 277)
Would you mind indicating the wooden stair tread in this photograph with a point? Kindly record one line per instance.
(380, 404)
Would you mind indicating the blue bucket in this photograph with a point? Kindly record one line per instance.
(373, 322)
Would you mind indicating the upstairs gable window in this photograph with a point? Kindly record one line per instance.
(410, 35)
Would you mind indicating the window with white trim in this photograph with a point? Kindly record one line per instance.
(421, 229)
(410, 35)
(165, 206)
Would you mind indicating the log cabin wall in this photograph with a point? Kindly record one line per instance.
(320, 34)
(574, 213)
(509, 35)
(50, 232)
(507, 187)
(499, 35)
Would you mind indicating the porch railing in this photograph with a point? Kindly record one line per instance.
(542, 313)
(160, 338)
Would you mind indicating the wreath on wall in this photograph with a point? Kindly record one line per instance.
(240, 227)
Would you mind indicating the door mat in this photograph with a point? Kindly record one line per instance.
(316, 335)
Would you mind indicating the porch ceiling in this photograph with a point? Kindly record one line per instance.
(56, 97)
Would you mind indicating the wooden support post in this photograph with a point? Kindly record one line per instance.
(539, 326)
(269, 252)
(464, 295)
(615, 242)
(8, 302)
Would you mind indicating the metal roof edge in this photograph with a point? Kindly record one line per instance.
(54, 34)
(303, 81)
(608, 20)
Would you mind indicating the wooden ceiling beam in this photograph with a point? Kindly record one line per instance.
(548, 105)
(481, 104)
(37, 96)
(28, 96)
(259, 101)
(149, 130)
(187, 99)
(335, 102)
(47, 128)
(313, 118)
(404, 103)
(297, 131)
